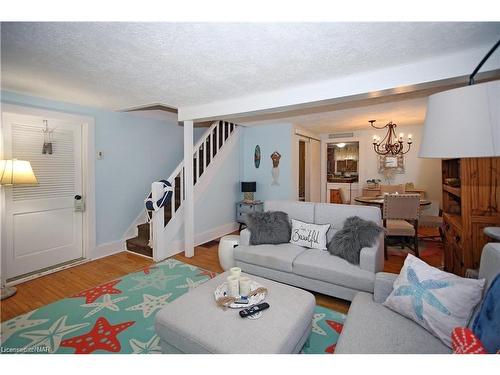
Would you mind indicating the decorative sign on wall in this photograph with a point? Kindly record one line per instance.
(395, 163)
(275, 172)
(256, 157)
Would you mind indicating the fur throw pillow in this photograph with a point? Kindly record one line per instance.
(271, 227)
(355, 235)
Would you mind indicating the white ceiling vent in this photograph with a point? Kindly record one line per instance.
(340, 135)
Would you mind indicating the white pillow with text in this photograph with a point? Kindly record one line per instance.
(309, 235)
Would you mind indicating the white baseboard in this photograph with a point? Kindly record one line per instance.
(100, 251)
(46, 272)
(108, 248)
(207, 236)
(215, 233)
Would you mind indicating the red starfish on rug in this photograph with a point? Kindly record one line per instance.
(101, 336)
(148, 269)
(92, 294)
(207, 273)
(337, 327)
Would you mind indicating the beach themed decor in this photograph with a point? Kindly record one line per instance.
(275, 172)
(256, 157)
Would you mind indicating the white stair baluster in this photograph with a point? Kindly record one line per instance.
(213, 141)
(182, 185)
(198, 174)
(172, 202)
(207, 152)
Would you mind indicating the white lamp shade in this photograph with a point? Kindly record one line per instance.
(463, 123)
(16, 172)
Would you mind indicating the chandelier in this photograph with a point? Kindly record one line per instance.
(390, 144)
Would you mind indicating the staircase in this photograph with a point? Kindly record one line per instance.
(206, 152)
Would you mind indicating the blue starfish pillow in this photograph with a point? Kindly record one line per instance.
(439, 301)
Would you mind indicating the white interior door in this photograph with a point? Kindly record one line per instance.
(41, 227)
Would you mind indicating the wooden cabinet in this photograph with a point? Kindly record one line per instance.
(468, 209)
(348, 191)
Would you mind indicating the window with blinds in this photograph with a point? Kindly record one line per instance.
(55, 172)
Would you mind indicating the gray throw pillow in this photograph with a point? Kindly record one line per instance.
(271, 227)
(355, 235)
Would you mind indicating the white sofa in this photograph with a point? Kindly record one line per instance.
(313, 269)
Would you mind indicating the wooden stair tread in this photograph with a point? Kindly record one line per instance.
(139, 245)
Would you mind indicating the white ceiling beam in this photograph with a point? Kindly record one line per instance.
(327, 92)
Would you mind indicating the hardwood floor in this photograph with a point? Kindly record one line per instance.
(47, 289)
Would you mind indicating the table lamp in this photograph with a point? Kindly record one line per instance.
(248, 188)
(13, 173)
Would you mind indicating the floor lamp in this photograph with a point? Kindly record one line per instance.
(13, 173)
(464, 123)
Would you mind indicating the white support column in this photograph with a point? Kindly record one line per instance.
(158, 223)
(189, 190)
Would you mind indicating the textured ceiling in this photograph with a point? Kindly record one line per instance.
(403, 113)
(120, 65)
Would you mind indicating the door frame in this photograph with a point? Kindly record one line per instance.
(364, 150)
(88, 172)
(306, 136)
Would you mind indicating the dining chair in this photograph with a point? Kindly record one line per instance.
(400, 217)
(433, 222)
(391, 189)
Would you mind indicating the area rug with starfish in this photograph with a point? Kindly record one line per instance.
(118, 316)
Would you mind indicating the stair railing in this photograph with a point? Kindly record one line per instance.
(205, 150)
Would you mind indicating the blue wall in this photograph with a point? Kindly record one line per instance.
(215, 209)
(270, 138)
(217, 206)
(137, 151)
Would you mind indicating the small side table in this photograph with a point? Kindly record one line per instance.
(226, 248)
(244, 208)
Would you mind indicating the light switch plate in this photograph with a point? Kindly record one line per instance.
(99, 155)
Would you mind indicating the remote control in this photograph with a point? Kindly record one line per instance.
(253, 310)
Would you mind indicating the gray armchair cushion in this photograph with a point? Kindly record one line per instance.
(371, 328)
(271, 227)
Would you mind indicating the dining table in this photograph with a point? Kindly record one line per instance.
(379, 201)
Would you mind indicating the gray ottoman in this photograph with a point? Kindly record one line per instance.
(194, 324)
